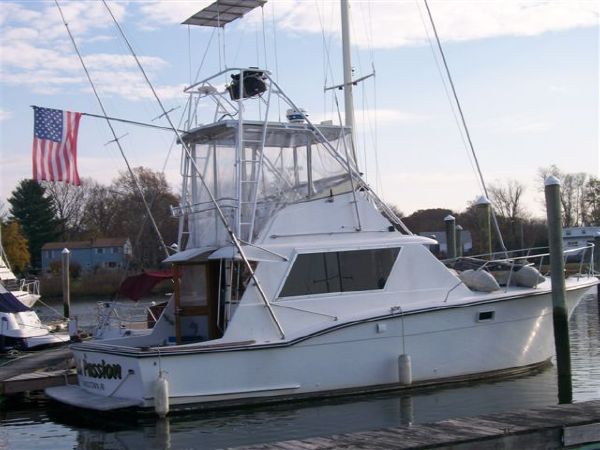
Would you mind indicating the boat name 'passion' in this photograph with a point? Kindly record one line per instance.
(99, 370)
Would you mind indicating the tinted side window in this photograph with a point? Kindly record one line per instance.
(356, 270)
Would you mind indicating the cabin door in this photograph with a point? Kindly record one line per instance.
(196, 302)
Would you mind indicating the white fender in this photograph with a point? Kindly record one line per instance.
(404, 370)
(161, 395)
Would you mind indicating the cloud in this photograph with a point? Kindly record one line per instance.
(367, 117)
(4, 115)
(37, 53)
(389, 116)
(519, 123)
(160, 12)
(385, 24)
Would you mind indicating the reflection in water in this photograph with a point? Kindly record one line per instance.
(31, 423)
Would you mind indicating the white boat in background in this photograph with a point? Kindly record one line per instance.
(21, 328)
(294, 279)
(26, 291)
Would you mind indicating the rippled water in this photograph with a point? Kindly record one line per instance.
(34, 423)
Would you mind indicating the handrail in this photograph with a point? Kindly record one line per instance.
(514, 261)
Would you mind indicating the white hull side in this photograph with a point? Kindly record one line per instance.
(27, 298)
(443, 344)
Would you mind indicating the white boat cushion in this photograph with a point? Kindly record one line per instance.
(528, 276)
(479, 280)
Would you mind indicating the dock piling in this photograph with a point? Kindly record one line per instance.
(459, 244)
(450, 222)
(560, 313)
(484, 214)
(66, 287)
(597, 262)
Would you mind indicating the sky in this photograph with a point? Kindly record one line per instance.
(526, 73)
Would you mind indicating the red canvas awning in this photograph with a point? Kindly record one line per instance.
(138, 286)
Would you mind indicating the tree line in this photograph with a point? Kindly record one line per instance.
(580, 201)
(48, 212)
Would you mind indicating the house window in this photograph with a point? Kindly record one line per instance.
(355, 270)
(99, 251)
(115, 250)
(111, 264)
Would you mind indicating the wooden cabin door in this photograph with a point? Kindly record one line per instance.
(196, 301)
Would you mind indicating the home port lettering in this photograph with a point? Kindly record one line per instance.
(99, 370)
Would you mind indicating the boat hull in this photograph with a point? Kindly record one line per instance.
(451, 343)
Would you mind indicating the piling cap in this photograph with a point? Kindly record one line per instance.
(65, 251)
(481, 201)
(459, 228)
(551, 181)
(449, 218)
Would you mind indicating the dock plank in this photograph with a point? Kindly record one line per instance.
(539, 428)
(37, 370)
(37, 381)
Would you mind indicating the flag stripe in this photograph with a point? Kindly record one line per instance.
(54, 150)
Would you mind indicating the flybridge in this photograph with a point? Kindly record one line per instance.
(222, 12)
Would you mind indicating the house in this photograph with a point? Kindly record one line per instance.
(440, 236)
(578, 237)
(105, 253)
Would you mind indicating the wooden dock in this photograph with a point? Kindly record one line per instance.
(37, 370)
(553, 427)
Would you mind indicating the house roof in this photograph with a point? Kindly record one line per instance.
(91, 243)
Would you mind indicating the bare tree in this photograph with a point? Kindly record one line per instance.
(592, 201)
(100, 211)
(507, 199)
(70, 204)
(572, 195)
(122, 213)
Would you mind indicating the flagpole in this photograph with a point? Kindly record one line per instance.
(132, 122)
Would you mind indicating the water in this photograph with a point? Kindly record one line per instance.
(34, 423)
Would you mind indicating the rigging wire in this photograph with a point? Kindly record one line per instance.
(116, 139)
(448, 96)
(462, 116)
(276, 58)
(264, 36)
(189, 36)
(327, 63)
(219, 37)
(212, 35)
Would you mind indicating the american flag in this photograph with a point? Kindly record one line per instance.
(55, 145)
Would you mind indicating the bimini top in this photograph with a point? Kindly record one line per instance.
(278, 134)
(222, 12)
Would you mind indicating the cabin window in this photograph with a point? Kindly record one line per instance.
(354, 270)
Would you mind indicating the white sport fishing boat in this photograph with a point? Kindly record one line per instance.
(294, 279)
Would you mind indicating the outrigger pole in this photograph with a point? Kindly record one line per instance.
(116, 139)
(131, 122)
(232, 235)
